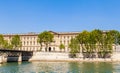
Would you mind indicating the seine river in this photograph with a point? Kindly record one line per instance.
(60, 67)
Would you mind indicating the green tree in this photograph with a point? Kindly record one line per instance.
(40, 40)
(95, 37)
(16, 42)
(74, 47)
(45, 37)
(62, 46)
(7, 45)
(1, 41)
(83, 39)
(118, 39)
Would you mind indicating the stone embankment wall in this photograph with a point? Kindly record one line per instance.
(116, 56)
(37, 56)
(53, 56)
(57, 56)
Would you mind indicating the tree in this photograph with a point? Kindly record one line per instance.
(109, 38)
(45, 37)
(40, 40)
(1, 41)
(16, 42)
(118, 39)
(74, 47)
(62, 46)
(7, 45)
(95, 37)
(83, 39)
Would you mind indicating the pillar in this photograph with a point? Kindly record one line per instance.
(1, 59)
(20, 57)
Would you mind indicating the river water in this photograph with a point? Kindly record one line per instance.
(60, 67)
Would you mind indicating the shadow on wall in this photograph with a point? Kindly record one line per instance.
(19, 56)
(26, 56)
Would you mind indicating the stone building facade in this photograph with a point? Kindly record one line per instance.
(29, 40)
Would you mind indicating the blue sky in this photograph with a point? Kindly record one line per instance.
(22, 16)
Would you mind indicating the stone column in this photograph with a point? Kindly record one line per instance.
(20, 57)
(1, 59)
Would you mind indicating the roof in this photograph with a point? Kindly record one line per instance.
(35, 34)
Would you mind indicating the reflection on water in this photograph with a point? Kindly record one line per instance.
(60, 67)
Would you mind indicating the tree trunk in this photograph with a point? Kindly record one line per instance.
(46, 47)
(40, 47)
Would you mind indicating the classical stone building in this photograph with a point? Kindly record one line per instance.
(29, 40)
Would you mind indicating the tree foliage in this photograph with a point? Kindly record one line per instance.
(74, 46)
(97, 41)
(1, 41)
(16, 42)
(45, 37)
(62, 46)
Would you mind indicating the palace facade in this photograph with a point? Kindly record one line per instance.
(29, 40)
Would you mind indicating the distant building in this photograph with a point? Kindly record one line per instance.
(29, 40)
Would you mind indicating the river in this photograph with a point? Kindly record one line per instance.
(60, 67)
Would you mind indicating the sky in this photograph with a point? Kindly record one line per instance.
(22, 16)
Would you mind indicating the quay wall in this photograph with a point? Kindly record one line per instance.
(37, 56)
(57, 56)
(53, 56)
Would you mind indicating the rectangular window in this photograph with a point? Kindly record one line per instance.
(30, 42)
(34, 42)
(24, 42)
(27, 43)
(28, 38)
(34, 38)
(24, 38)
(68, 41)
(64, 41)
(64, 37)
(60, 42)
(68, 37)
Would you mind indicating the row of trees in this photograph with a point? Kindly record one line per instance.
(14, 43)
(96, 43)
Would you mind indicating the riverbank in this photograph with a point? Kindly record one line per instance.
(64, 57)
(77, 60)
(59, 57)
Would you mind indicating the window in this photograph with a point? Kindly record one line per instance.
(24, 38)
(27, 43)
(28, 38)
(34, 38)
(68, 37)
(68, 41)
(30, 42)
(24, 42)
(54, 41)
(34, 42)
(71, 36)
(64, 41)
(64, 37)
(60, 41)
